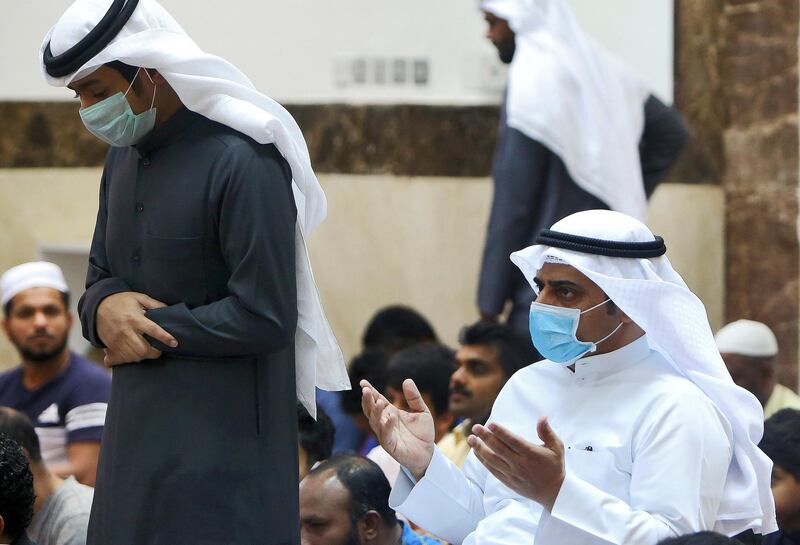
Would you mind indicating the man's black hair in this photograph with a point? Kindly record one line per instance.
(514, 350)
(19, 427)
(364, 480)
(7, 307)
(128, 72)
(429, 366)
(16, 488)
(368, 365)
(701, 538)
(781, 441)
(315, 436)
(396, 327)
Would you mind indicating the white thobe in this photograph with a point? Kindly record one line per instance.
(646, 457)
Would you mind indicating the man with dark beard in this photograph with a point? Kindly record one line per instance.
(63, 394)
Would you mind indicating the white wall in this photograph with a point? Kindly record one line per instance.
(296, 51)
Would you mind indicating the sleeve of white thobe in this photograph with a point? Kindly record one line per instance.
(680, 462)
(447, 501)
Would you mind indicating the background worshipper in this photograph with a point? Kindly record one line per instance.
(314, 438)
(61, 510)
(370, 365)
(701, 538)
(749, 350)
(390, 329)
(16, 493)
(607, 146)
(345, 501)
(430, 367)
(670, 455)
(781, 442)
(396, 327)
(64, 394)
(490, 353)
(208, 311)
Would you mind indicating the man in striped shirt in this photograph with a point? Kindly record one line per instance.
(63, 394)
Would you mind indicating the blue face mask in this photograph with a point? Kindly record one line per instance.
(553, 332)
(112, 120)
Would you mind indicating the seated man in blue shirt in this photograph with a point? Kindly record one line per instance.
(345, 501)
(63, 394)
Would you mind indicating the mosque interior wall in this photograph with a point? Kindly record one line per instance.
(388, 239)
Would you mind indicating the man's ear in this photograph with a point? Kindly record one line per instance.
(369, 526)
(7, 327)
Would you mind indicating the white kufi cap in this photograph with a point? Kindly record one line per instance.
(37, 274)
(747, 338)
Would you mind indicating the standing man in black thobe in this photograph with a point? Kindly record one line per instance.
(199, 286)
(577, 132)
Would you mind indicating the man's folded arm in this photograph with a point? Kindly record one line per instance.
(100, 283)
(257, 236)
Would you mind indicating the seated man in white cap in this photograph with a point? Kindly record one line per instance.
(64, 394)
(749, 349)
(641, 433)
(199, 286)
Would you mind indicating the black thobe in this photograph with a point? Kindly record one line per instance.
(533, 190)
(200, 445)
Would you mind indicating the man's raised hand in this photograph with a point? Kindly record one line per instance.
(121, 325)
(533, 471)
(408, 436)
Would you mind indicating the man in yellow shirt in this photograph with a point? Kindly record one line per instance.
(490, 353)
(749, 349)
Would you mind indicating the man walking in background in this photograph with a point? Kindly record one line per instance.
(578, 131)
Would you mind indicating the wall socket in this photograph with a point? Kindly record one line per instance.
(372, 71)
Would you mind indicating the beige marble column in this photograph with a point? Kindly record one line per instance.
(737, 83)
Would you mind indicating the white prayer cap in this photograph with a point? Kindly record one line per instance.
(37, 274)
(747, 338)
(623, 257)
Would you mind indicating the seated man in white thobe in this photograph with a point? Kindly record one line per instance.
(642, 435)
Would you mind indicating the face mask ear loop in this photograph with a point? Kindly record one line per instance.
(598, 305)
(155, 88)
(609, 335)
(136, 75)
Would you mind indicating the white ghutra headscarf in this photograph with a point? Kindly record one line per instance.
(216, 89)
(656, 298)
(566, 92)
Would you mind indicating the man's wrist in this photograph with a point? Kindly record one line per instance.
(555, 490)
(418, 472)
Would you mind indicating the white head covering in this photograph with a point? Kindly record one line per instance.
(567, 92)
(747, 338)
(657, 299)
(37, 274)
(214, 88)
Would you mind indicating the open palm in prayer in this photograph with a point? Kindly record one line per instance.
(408, 436)
(533, 471)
